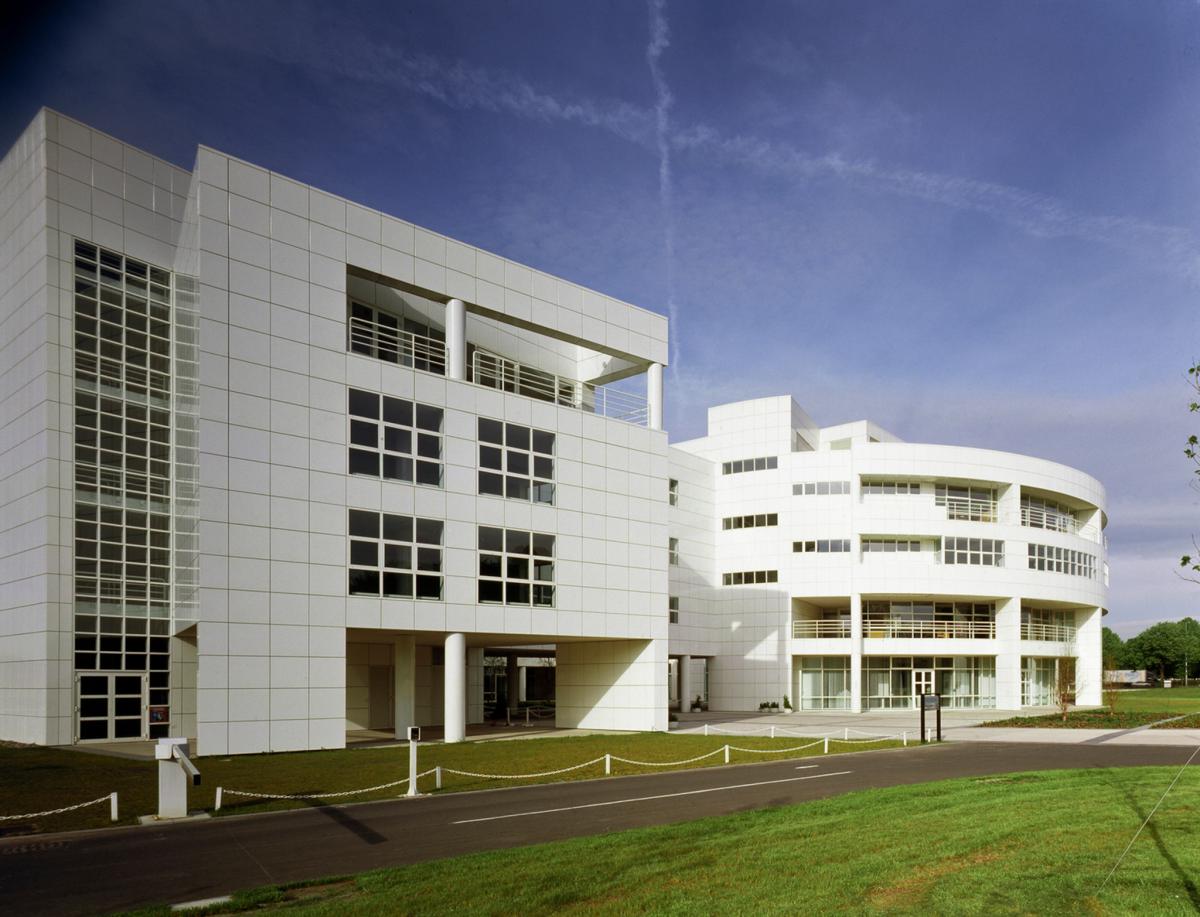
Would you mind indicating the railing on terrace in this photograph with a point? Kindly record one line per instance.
(968, 510)
(393, 345)
(1055, 632)
(821, 629)
(492, 371)
(939, 630)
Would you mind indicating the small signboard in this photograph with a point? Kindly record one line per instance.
(158, 714)
(931, 701)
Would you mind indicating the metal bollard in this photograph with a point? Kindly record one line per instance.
(527, 723)
(772, 732)
(706, 728)
(112, 806)
(414, 737)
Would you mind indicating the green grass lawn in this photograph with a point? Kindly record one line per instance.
(1171, 700)
(1038, 843)
(38, 779)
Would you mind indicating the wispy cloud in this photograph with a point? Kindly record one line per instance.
(660, 40)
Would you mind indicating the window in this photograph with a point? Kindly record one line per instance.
(970, 504)
(1047, 624)
(394, 556)
(891, 487)
(673, 492)
(889, 545)
(376, 333)
(926, 618)
(673, 609)
(750, 578)
(750, 522)
(515, 461)
(753, 464)
(985, 552)
(673, 551)
(394, 438)
(820, 488)
(516, 567)
(822, 546)
(1062, 560)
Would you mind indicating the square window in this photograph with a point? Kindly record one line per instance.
(429, 446)
(516, 593)
(517, 568)
(398, 585)
(364, 463)
(429, 587)
(363, 433)
(364, 524)
(364, 553)
(397, 528)
(491, 539)
(364, 404)
(397, 556)
(364, 582)
(397, 468)
(429, 418)
(491, 484)
(518, 462)
(491, 565)
(429, 473)
(543, 545)
(543, 442)
(543, 467)
(517, 541)
(491, 431)
(542, 492)
(397, 440)
(516, 436)
(429, 531)
(543, 594)
(491, 457)
(398, 411)
(516, 488)
(491, 590)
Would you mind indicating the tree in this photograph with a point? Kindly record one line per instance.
(1191, 562)
(1157, 647)
(1112, 649)
(1064, 685)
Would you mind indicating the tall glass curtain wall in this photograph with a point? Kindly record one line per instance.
(122, 550)
(888, 682)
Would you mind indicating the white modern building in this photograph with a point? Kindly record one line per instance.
(277, 470)
(843, 569)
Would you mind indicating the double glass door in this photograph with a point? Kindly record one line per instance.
(923, 682)
(110, 705)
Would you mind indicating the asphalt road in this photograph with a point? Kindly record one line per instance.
(97, 872)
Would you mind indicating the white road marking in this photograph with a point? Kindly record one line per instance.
(618, 802)
(807, 767)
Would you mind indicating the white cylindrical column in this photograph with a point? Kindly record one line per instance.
(685, 683)
(456, 339)
(455, 693)
(856, 653)
(654, 396)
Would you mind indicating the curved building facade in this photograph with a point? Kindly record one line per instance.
(843, 569)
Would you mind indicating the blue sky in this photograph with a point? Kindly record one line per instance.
(972, 222)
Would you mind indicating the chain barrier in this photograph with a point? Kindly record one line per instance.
(776, 751)
(715, 751)
(222, 791)
(562, 770)
(107, 797)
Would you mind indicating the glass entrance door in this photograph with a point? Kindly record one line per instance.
(922, 683)
(110, 706)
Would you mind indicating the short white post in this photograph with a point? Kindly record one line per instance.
(607, 765)
(412, 767)
(726, 754)
(112, 806)
(527, 716)
(772, 732)
(437, 776)
(847, 736)
(706, 728)
(826, 744)
(217, 807)
(904, 739)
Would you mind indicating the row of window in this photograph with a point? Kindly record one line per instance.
(1062, 560)
(988, 552)
(891, 487)
(820, 488)
(763, 463)
(398, 556)
(889, 545)
(395, 438)
(822, 546)
(1046, 514)
(750, 522)
(750, 577)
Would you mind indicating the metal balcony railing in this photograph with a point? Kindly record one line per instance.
(392, 345)
(820, 629)
(938, 630)
(493, 371)
(968, 510)
(1056, 632)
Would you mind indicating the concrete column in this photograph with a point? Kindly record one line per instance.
(456, 339)
(856, 653)
(1089, 666)
(455, 692)
(475, 685)
(654, 396)
(404, 671)
(685, 683)
(1008, 654)
(512, 677)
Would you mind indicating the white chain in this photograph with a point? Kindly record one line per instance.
(775, 751)
(82, 805)
(447, 770)
(866, 741)
(715, 751)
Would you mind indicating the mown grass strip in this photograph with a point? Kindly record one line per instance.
(1010, 844)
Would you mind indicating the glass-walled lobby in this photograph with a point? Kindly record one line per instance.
(895, 682)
